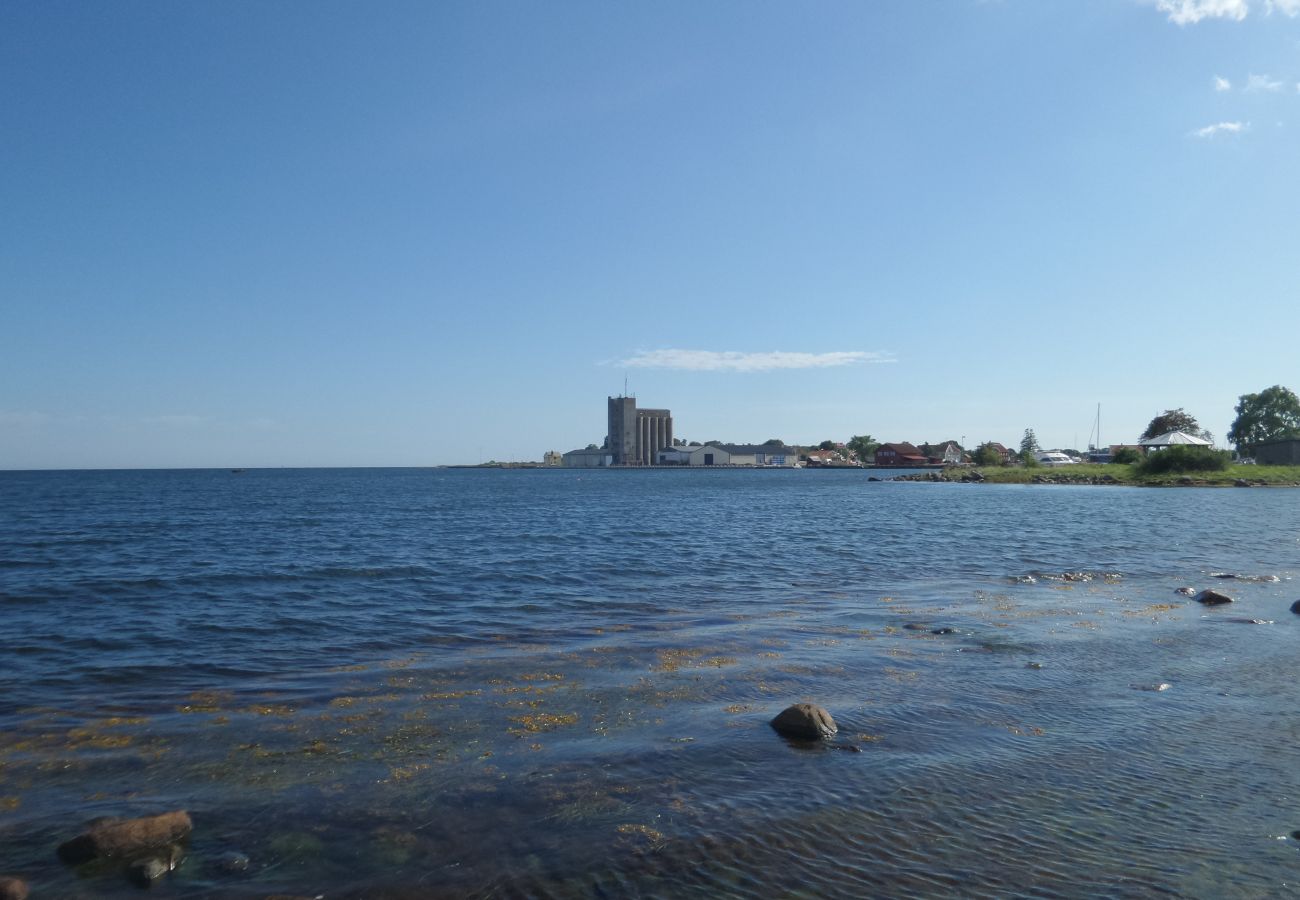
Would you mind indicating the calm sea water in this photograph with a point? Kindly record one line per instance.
(551, 683)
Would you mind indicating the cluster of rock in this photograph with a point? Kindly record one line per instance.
(966, 477)
(146, 849)
(1067, 478)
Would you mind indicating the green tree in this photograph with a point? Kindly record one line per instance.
(987, 455)
(1175, 420)
(1029, 443)
(1270, 415)
(773, 442)
(826, 445)
(863, 446)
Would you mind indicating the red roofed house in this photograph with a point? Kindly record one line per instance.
(901, 454)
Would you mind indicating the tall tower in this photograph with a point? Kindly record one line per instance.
(622, 430)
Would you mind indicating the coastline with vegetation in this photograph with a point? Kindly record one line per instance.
(1131, 475)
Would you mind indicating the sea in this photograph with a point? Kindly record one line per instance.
(402, 683)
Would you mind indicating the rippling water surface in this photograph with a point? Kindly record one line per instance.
(551, 683)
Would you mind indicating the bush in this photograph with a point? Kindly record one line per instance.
(1126, 456)
(1185, 459)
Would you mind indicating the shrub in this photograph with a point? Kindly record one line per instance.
(1126, 456)
(1185, 459)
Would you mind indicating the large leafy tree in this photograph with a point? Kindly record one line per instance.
(1270, 415)
(1174, 420)
(863, 446)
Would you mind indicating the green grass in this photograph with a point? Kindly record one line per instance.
(1128, 474)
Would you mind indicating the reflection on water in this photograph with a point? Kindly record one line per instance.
(414, 684)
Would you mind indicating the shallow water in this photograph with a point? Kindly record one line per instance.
(411, 683)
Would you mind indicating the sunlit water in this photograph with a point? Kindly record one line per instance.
(419, 683)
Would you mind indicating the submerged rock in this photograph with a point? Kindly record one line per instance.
(232, 862)
(1159, 686)
(1212, 598)
(126, 837)
(943, 630)
(13, 889)
(1295, 607)
(805, 721)
(916, 626)
(1185, 591)
(144, 872)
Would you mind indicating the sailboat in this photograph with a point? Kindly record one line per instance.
(1096, 452)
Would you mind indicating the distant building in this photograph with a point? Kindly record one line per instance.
(900, 454)
(729, 455)
(949, 453)
(1003, 453)
(637, 435)
(1278, 453)
(592, 457)
(552, 458)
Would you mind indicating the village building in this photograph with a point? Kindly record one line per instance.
(901, 454)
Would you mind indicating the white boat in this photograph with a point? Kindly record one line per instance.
(1054, 458)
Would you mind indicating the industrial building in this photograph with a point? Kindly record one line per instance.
(636, 436)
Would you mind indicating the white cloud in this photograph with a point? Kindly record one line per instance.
(1210, 131)
(1257, 83)
(1189, 12)
(1222, 84)
(734, 361)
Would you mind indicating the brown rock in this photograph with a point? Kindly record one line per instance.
(805, 721)
(1212, 598)
(126, 837)
(13, 889)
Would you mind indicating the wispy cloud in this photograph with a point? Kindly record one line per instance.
(1210, 131)
(180, 420)
(1222, 84)
(1189, 12)
(1260, 83)
(734, 361)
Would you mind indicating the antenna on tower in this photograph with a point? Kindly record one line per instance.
(624, 384)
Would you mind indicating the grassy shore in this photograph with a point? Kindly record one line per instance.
(1127, 474)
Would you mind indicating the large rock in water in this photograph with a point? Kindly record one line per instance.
(1295, 607)
(805, 721)
(13, 889)
(126, 837)
(1212, 598)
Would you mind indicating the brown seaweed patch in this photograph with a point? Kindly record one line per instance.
(737, 708)
(398, 774)
(10, 803)
(282, 710)
(206, 702)
(90, 739)
(451, 695)
(534, 723)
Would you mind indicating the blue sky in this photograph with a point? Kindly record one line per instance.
(265, 234)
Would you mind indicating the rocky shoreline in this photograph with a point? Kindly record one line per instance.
(975, 476)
